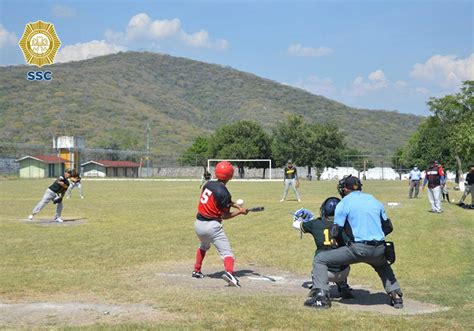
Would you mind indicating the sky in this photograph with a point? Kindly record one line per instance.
(391, 55)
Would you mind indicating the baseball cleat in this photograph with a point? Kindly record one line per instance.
(58, 219)
(230, 279)
(198, 274)
(318, 299)
(30, 217)
(396, 299)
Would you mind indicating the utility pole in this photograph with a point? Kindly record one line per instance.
(148, 149)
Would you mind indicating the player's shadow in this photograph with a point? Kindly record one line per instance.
(361, 297)
(365, 298)
(238, 273)
(73, 219)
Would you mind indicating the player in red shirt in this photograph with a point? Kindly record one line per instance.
(214, 206)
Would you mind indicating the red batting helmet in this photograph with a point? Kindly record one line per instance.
(224, 170)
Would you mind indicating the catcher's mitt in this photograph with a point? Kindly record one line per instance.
(57, 199)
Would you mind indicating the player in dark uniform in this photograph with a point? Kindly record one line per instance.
(214, 206)
(468, 188)
(319, 228)
(55, 192)
(75, 181)
(290, 178)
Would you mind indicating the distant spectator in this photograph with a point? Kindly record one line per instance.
(468, 187)
(444, 186)
(414, 181)
(434, 177)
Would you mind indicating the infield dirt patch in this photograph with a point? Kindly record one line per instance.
(256, 279)
(44, 314)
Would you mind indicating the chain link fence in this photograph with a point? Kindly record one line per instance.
(377, 166)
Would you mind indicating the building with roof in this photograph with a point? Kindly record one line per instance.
(108, 168)
(41, 166)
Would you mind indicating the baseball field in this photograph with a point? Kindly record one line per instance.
(123, 259)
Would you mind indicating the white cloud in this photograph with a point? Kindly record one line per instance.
(422, 90)
(316, 85)
(84, 51)
(300, 50)
(141, 28)
(7, 38)
(401, 84)
(201, 40)
(376, 81)
(445, 71)
(63, 11)
(378, 75)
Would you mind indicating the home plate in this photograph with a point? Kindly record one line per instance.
(267, 278)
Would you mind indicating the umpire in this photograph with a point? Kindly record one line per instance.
(364, 220)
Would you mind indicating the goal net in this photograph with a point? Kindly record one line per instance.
(246, 168)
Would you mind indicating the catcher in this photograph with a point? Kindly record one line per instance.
(54, 193)
(319, 228)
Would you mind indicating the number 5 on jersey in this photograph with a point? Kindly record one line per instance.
(205, 195)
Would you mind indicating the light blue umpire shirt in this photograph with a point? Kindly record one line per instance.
(363, 212)
(415, 174)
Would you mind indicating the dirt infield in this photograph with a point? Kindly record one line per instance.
(40, 314)
(255, 279)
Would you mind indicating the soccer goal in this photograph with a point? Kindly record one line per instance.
(247, 168)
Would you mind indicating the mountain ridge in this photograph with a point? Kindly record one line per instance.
(111, 99)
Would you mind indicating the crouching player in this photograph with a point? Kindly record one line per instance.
(319, 228)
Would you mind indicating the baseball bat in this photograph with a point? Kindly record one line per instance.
(261, 208)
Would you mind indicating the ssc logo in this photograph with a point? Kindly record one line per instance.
(39, 43)
(39, 75)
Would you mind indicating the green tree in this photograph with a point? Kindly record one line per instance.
(447, 135)
(456, 114)
(326, 146)
(241, 140)
(197, 153)
(427, 144)
(318, 145)
(291, 141)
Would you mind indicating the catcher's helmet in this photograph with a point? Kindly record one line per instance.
(224, 170)
(350, 182)
(328, 207)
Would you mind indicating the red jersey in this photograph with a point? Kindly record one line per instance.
(215, 200)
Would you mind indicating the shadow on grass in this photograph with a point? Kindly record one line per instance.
(361, 297)
(238, 273)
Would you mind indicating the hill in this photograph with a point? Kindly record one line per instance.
(108, 100)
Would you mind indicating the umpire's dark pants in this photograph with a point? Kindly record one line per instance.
(354, 253)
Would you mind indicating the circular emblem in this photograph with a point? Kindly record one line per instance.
(39, 43)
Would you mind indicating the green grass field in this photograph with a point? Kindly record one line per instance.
(133, 230)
